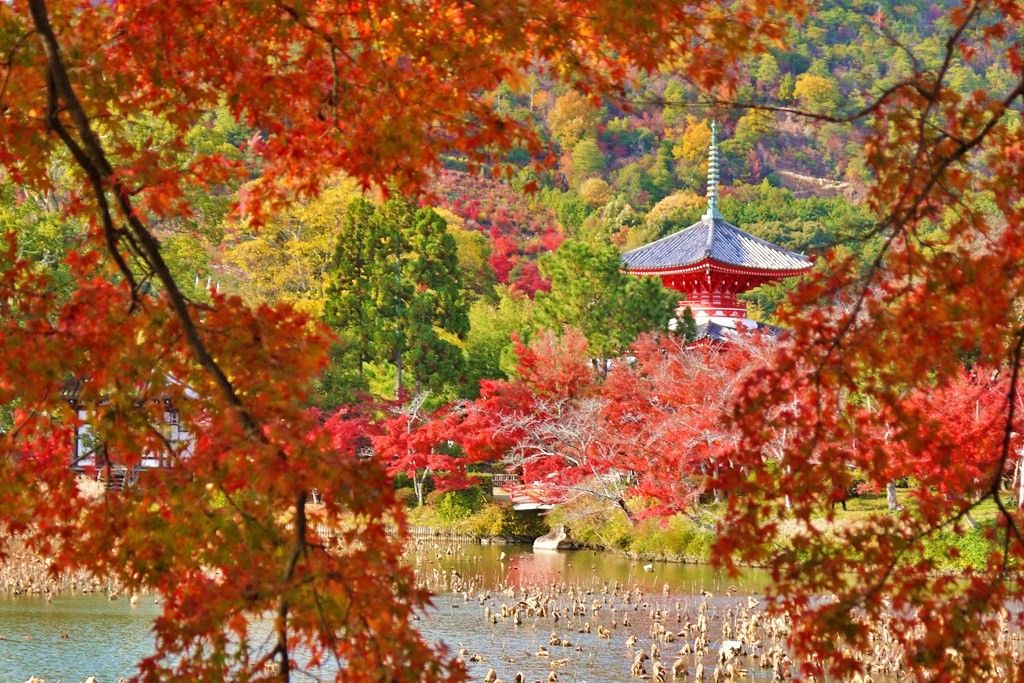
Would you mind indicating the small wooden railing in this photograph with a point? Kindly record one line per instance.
(504, 480)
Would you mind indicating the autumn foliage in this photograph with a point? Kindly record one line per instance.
(869, 386)
(872, 385)
(225, 533)
(654, 429)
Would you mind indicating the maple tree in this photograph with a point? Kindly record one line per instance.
(653, 429)
(870, 347)
(225, 533)
(415, 442)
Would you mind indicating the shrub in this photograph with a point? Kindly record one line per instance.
(406, 495)
(497, 519)
(487, 522)
(454, 506)
(433, 498)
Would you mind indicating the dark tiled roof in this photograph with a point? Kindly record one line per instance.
(722, 333)
(716, 239)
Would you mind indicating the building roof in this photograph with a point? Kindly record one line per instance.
(716, 239)
(713, 238)
(718, 332)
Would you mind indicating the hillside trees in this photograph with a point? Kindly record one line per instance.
(587, 160)
(517, 232)
(572, 118)
(489, 346)
(943, 286)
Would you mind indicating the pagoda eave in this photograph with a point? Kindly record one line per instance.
(715, 266)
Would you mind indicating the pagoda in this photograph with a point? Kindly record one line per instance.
(712, 262)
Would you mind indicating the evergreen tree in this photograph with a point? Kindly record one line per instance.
(395, 294)
(590, 292)
(587, 160)
(766, 73)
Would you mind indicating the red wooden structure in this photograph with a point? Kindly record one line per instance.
(712, 262)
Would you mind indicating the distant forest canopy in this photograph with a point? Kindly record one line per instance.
(624, 171)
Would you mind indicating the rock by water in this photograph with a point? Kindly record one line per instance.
(557, 539)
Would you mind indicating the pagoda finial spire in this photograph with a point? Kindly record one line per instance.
(712, 211)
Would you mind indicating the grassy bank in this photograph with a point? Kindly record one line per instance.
(595, 523)
(473, 511)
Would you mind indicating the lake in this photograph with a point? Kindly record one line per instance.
(106, 639)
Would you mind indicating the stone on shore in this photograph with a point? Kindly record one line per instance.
(557, 539)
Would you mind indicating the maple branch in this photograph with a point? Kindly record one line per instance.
(9, 65)
(88, 153)
(298, 550)
(1004, 452)
(1012, 529)
(110, 233)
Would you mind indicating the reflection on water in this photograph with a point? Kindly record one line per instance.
(673, 589)
(106, 639)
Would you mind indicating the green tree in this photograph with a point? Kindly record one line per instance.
(590, 292)
(490, 352)
(569, 208)
(396, 293)
(674, 96)
(473, 250)
(766, 73)
(604, 224)
(786, 86)
(587, 160)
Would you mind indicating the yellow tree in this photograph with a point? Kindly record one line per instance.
(288, 258)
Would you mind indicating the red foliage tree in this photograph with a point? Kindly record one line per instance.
(668, 410)
(416, 443)
(953, 449)
(655, 428)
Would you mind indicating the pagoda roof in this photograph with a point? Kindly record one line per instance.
(713, 239)
(717, 332)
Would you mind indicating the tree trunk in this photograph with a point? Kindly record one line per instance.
(629, 515)
(418, 484)
(398, 375)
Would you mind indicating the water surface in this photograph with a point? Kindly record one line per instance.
(106, 639)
